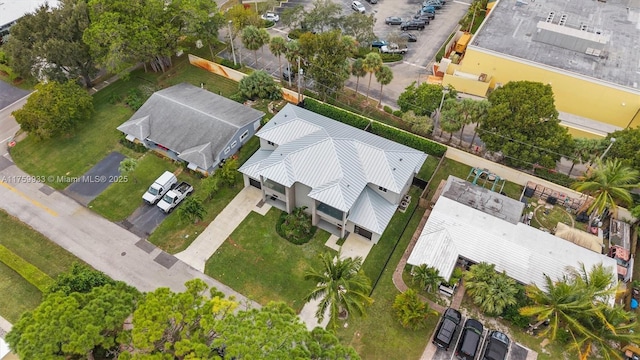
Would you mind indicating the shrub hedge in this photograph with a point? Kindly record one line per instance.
(29, 272)
(385, 131)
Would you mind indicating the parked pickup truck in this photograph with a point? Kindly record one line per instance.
(174, 197)
(393, 49)
(159, 188)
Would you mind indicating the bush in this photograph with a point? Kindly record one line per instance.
(398, 113)
(363, 51)
(80, 279)
(408, 139)
(137, 147)
(296, 227)
(4, 60)
(228, 63)
(134, 99)
(554, 177)
(336, 113)
(114, 99)
(295, 34)
(267, 24)
(385, 131)
(387, 109)
(260, 85)
(29, 272)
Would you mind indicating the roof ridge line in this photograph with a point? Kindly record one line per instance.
(195, 109)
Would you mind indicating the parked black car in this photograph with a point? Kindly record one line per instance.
(469, 340)
(413, 25)
(447, 328)
(408, 37)
(393, 20)
(497, 347)
(372, 1)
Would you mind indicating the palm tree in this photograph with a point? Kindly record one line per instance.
(341, 285)
(127, 165)
(357, 70)
(254, 38)
(578, 304)
(384, 75)
(292, 53)
(476, 278)
(585, 151)
(278, 46)
(371, 64)
(608, 184)
(482, 110)
(501, 293)
(450, 120)
(427, 277)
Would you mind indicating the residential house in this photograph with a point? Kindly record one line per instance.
(190, 124)
(344, 176)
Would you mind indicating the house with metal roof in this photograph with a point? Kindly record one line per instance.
(470, 224)
(344, 176)
(190, 124)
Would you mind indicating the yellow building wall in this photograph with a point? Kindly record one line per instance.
(574, 95)
(467, 86)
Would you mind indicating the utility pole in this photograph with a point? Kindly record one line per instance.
(300, 72)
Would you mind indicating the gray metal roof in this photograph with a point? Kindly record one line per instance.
(193, 122)
(591, 38)
(523, 252)
(371, 211)
(336, 160)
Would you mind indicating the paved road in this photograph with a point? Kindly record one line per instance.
(102, 244)
(10, 94)
(8, 125)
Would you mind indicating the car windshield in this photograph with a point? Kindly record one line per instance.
(152, 190)
(622, 262)
(167, 199)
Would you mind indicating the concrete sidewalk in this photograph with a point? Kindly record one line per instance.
(206, 244)
(100, 243)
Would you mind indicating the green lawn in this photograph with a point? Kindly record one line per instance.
(428, 168)
(16, 294)
(258, 263)
(379, 254)
(452, 167)
(119, 200)
(74, 154)
(380, 335)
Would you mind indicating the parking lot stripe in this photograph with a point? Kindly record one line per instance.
(416, 65)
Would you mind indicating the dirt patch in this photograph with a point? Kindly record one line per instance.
(235, 244)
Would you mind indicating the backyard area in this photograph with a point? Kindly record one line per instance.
(272, 267)
(16, 294)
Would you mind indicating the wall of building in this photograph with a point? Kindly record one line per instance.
(389, 195)
(302, 196)
(573, 94)
(350, 227)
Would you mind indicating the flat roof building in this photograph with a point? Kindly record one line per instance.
(586, 50)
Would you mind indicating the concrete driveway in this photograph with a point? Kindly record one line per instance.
(88, 186)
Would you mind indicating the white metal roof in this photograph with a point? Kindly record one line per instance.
(12, 10)
(336, 160)
(523, 252)
(371, 211)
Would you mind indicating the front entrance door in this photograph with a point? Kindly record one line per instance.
(363, 232)
(255, 183)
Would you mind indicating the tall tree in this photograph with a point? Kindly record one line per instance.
(579, 304)
(323, 16)
(54, 109)
(357, 70)
(341, 286)
(292, 54)
(48, 43)
(462, 113)
(278, 46)
(608, 184)
(585, 151)
(242, 17)
(626, 147)
(423, 99)
(493, 292)
(203, 22)
(523, 124)
(74, 325)
(292, 17)
(450, 119)
(372, 63)
(80, 278)
(482, 110)
(326, 58)
(427, 277)
(360, 27)
(254, 38)
(384, 76)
